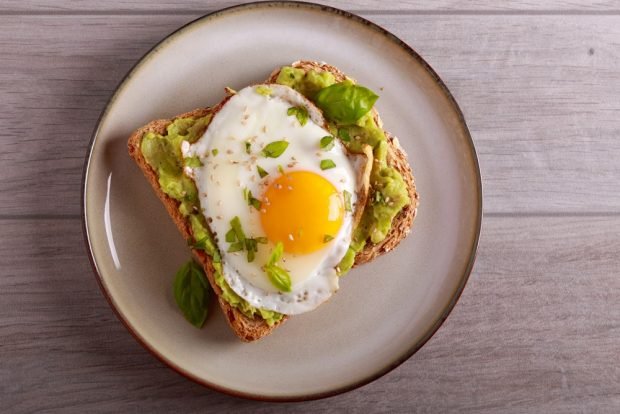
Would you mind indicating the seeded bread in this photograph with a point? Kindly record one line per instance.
(251, 329)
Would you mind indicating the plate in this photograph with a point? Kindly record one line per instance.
(386, 310)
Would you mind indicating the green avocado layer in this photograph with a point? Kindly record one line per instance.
(389, 192)
(163, 154)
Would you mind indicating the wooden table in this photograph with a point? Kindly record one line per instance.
(538, 326)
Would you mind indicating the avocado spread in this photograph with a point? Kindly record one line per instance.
(388, 194)
(163, 154)
(388, 190)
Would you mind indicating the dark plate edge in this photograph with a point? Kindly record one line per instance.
(450, 305)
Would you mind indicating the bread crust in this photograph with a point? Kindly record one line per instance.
(251, 329)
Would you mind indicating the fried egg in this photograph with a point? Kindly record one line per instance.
(303, 197)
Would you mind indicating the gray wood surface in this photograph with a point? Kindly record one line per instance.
(538, 326)
(538, 93)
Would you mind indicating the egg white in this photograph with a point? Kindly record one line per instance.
(249, 116)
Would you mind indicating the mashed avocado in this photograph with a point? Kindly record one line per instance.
(163, 154)
(388, 190)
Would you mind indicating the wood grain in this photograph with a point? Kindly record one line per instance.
(185, 6)
(540, 94)
(538, 326)
(536, 330)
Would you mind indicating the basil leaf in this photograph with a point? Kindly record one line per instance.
(248, 147)
(276, 254)
(261, 240)
(345, 102)
(279, 277)
(300, 112)
(191, 293)
(347, 200)
(327, 142)
(274, 149)
(214, 151)
(261, 172)
(327, 164)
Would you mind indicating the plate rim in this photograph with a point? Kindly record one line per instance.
(473, 248)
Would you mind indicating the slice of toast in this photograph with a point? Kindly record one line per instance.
(250, 329)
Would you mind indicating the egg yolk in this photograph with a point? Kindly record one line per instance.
(302, 210)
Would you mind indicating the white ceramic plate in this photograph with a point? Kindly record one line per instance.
(385, 310)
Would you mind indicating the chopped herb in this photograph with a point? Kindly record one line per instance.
(201, 244)
(235, 225)
(343, 134)
(280, 169)
(251, 247)
(274, 149)
(300, 112)
(327, 238)
(248, 147)
(261, 172)
(264, 90)
(347, 200)
(327, 164)
(239, 242)
(193, 162)
(278, 276)
(192, 293)
(231, 236)
(327, 142)
(254, 202)
(235, 247)
(214, 151)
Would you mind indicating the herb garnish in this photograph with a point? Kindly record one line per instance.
(347, 200)
(274, 149)
(249, 198)
(261, 172)
(277, 275)
(192, 293)
(345, 102)
(300, 112)
(327, 164)
(239, 242)
(327, 142)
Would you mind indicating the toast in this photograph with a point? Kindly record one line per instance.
(246, 328)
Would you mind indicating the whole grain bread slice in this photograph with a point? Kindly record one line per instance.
(246, 328)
